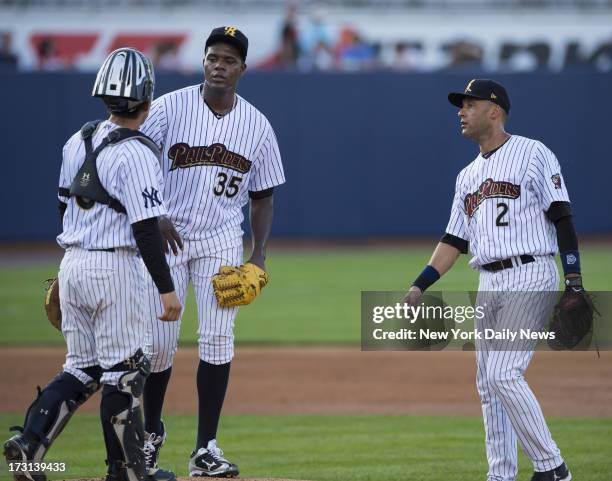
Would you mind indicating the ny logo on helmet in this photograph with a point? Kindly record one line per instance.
(230, 31)
(469, 86)
(151, 197)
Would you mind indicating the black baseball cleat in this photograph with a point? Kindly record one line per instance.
(560, 473)
(209, 462)
(152, 446)
(18, 454)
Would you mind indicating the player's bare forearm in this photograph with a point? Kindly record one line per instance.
(444, 257)
(262, 213)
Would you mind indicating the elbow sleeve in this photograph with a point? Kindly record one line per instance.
(457, 242)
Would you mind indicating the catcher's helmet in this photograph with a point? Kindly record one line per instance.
(125, 80)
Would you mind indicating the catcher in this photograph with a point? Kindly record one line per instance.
(108, 166)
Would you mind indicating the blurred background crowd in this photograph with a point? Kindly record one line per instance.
(356, 91)
(342, 35)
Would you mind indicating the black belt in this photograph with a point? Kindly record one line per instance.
(506, 264)
(102, 250)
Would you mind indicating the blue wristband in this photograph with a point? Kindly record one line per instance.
(571, 262)
(426, 278)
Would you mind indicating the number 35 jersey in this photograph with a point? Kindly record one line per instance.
(501, 199)
(210, 163)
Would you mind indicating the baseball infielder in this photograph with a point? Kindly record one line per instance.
(110, 198)
(219, 153)
(511, 210)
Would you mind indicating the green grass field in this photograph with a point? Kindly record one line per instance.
(315, 298)
(344, 448)
(312, 298)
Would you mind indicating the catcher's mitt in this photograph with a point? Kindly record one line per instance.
(52, 303)
(572, 319)
(238, 286)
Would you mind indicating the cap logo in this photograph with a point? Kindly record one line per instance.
(230, 31)
(493, 96)
(469, 86)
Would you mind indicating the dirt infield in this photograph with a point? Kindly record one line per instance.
(344, 380)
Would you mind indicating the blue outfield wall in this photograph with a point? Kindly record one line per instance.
(365, 154)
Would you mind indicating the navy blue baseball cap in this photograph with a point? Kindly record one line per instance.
(482, 89)
(230, 35)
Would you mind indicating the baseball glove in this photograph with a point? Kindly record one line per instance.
(52, 303)
(572, 319)
(238, 286)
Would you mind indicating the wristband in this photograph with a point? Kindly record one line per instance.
(426, 278)
(571, 262)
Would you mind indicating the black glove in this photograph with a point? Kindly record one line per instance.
(572, 317)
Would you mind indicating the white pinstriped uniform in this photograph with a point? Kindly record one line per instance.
(499, 207)
(209, 165)
(100, 298)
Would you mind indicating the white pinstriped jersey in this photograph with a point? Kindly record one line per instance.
(210, 164)
(130, 173)
(500, 202)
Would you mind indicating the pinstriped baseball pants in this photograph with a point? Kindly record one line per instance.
(215, 324)
(514, 299)
(102, 318)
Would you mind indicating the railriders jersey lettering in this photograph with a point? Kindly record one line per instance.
(210, 163)
(500, 202)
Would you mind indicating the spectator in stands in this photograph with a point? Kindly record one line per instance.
(165, 57)
(319, 58)
(8, 59)
(405, 56)
(354, 53)
(314, 34)
(602, 57)
(465, 54)
(48, 57)
(287, 54)
(289, 50)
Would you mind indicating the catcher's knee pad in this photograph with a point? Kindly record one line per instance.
(216, 349)
(52, 409)
(122, 417)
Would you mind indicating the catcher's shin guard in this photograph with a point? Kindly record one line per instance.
(51, 411)
(46, 418)
(121, 416)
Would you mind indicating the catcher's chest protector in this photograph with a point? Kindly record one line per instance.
(86, 186)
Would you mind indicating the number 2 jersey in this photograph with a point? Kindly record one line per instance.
(501, 199)
(210, 163)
